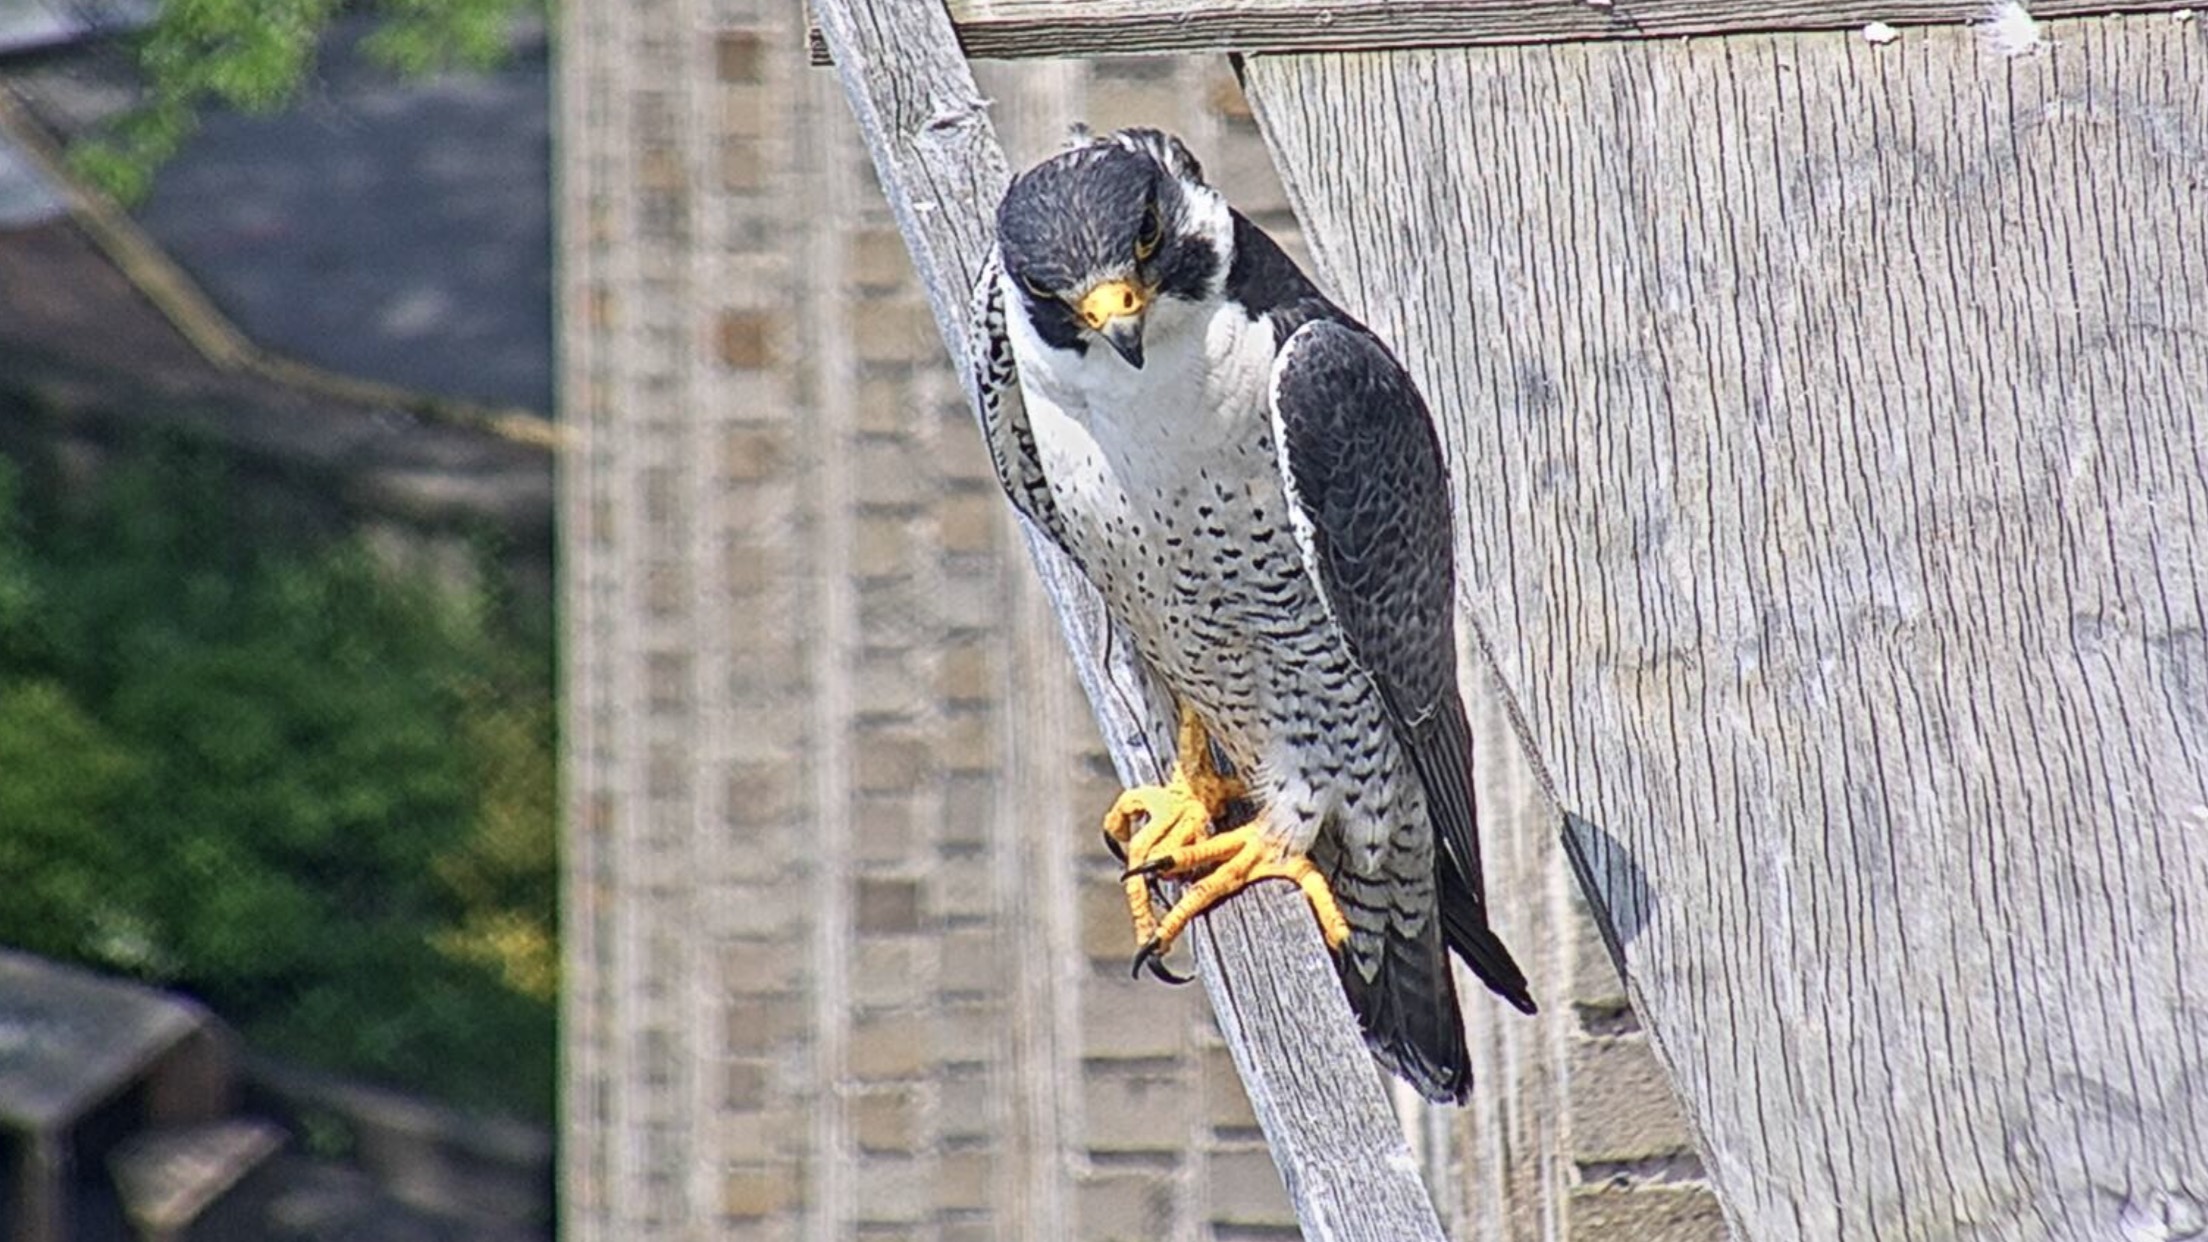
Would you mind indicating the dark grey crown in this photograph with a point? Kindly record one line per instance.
(1078, 213)
(1075, 217)
(1163, 147)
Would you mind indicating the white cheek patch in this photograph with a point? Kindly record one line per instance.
(1210, 218)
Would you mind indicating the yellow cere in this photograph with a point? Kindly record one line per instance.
(1114, 299)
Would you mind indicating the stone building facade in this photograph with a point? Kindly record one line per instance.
(844, 955)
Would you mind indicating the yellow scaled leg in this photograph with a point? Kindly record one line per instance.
(1232, 861)
(1167, 817)
(1170, 831)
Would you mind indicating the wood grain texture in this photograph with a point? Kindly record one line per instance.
(1316, 1090)
(1829, 423)
(1017, 28)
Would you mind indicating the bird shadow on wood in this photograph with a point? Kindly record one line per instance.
(1614, 884)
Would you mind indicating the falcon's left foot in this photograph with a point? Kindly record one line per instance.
(1223, 865)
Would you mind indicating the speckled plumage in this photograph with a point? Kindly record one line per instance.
(1263, 507)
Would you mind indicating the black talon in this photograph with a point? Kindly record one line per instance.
(1144, 955)
(1151, 957)
(1153, 867)
(1118, 851)
(1159, 970)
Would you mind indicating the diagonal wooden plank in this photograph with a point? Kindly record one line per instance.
(1829, 422)
(1316, 1091)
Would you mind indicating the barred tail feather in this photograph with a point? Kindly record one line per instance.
(1399, 984)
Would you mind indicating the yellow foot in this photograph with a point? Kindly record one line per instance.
(1166, 817)
(1171, 831)
(1228, 863)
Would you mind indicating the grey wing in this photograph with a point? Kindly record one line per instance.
(1369, 494)
(995, 379)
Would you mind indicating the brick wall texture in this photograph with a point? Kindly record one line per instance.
(845, 958)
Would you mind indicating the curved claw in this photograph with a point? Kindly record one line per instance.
(1165, 974)
(1163, 862)
(1118, 851)
(1144, 955)
(1151, 957)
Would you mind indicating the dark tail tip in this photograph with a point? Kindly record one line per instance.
(1433, 1061)
(1485, 953)
(1408, 1009)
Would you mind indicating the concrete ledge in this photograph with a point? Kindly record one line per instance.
(168, 1177)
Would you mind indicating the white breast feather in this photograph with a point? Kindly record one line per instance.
(1107, 431)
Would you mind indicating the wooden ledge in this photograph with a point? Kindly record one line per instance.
(1019, 29)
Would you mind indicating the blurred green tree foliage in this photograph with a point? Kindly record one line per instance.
(253, 54)
(310, 790)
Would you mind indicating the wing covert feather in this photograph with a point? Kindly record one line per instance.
(1369, 490)
(995, 381)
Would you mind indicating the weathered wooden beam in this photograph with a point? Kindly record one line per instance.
(1315, 1089)
(1829, 423)
(1010, 29)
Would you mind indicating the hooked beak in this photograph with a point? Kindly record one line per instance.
(1114, 311)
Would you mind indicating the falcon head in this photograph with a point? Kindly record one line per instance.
(1101, 239)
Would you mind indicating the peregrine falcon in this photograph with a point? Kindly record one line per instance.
(1253, 485)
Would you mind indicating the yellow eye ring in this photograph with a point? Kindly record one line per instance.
(1152, 235)
(1029, 283)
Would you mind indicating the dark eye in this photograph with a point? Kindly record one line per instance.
(1153, 232)
(1035, 287)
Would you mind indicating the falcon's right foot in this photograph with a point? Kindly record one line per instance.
(1157, 822)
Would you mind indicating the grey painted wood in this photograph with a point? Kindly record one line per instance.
(1828, 422)
(1015, 28)
(1317, 1093)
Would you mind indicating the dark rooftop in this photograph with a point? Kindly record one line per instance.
(69, 1038)
(397, 230)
